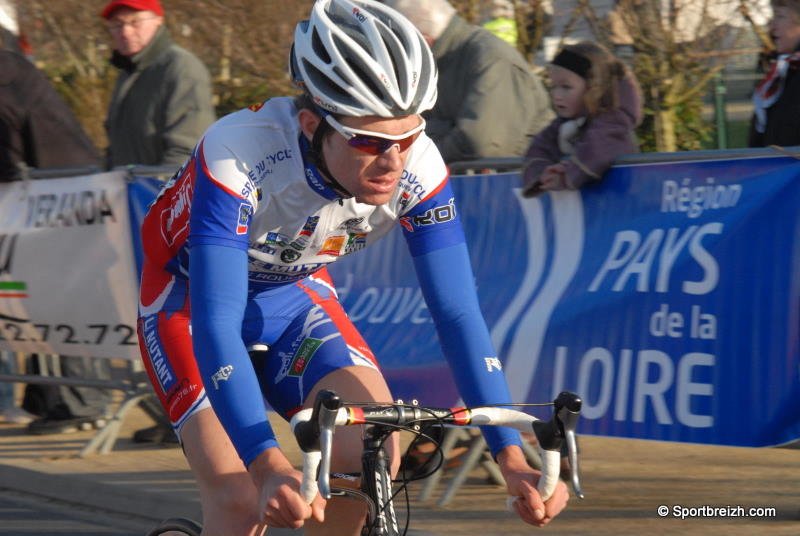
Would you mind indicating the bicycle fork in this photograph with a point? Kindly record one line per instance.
(376, 482)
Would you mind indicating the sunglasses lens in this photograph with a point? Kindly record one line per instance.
(369, 144)
(374, 145)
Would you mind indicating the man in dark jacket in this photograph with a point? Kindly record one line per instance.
(162, 101)
(490, 101)
(776, 100)
(38, 130)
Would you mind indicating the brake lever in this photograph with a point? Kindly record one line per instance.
(553, 433)
(567, 410)
(327, 404)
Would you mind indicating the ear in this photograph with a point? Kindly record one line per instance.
(309, 121)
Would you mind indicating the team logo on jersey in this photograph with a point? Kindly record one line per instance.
(405, 221)
(221, 375)
(303, 356)
(276, 238)
(492, 363)
(256, 107)
(332, 245)
(304, 236)
(432, 216)
(174, 218)
(310, 225)
(245, 212)
(405, 197)
(411, 185)
(264, 248)
(355, 242)
(353, 225)
(289, 255)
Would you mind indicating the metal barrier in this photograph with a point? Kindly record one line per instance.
(133, 382)
(135, 386)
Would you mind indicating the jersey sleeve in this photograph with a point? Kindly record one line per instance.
(445, 276)
(433, 222)
(218, 290)
(224, 200)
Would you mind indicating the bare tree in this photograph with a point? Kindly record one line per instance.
(677, 49)
(245, 44)
(674, 45)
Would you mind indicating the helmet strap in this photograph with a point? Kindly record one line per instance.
(316, 157)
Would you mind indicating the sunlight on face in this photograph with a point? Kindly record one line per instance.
(372, 179)
(566, 91)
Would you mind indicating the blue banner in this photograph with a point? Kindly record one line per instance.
(667, 296)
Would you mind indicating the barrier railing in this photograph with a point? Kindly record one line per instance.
(137, 386)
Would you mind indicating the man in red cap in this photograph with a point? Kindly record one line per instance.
(162, 101)
(160, 107)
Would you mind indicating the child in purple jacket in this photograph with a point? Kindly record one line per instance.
(599, 104)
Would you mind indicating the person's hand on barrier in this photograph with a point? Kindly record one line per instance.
(521, 481)
(554, 177)
(280, 502)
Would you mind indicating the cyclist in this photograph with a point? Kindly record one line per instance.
(236, 245)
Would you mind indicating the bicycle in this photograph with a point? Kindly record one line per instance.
(314, 428)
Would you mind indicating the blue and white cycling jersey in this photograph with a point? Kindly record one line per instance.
(249, 188)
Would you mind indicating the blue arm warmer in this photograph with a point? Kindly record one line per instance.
(218, 290)
(445, 276)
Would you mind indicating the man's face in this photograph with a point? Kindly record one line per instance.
(132, 30)
(372, 179)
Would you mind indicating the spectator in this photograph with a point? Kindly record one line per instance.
(9, 411)
(162, 100)
(599, 104)
(498, 17)
(38, 129)
(160, 107)
(776, 99)
(491, 101)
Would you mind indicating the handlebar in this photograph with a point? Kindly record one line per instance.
(314, 427)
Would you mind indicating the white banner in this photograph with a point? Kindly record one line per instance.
(68, 281)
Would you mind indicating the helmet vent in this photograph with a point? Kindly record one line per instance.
(319, 48)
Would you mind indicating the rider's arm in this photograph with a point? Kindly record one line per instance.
(445, 274)
(218, 288)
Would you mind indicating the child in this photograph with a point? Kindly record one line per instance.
(598, 104)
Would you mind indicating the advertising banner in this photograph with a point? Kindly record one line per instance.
(67, 271)
(667, 296)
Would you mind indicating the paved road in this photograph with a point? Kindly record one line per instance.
(23, 514)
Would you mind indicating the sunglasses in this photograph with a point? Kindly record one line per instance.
(375, 143)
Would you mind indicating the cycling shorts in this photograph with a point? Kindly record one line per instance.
(303, 324)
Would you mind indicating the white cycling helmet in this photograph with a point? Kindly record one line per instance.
(360, 57)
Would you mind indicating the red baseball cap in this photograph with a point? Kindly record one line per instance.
(140, 5)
